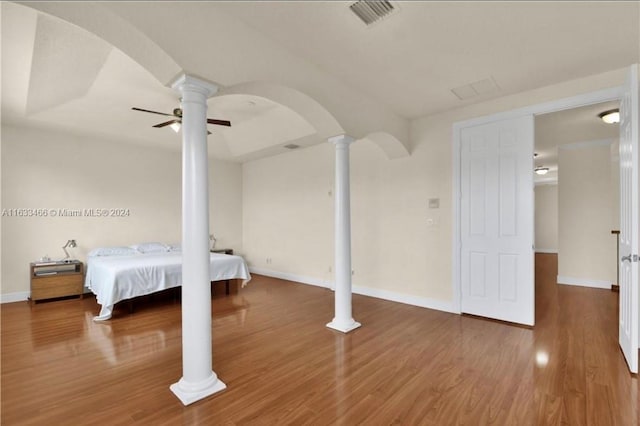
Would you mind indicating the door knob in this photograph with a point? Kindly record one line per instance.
(626, 258)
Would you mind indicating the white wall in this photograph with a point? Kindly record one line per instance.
(546, 212)
(401, 248)
(52, 170)
(288, 215)
(587, 249)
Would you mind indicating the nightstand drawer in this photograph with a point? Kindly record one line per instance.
(48, 287)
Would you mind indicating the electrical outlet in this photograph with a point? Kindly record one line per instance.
(433, 222)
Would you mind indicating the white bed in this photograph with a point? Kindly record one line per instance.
(121, 277)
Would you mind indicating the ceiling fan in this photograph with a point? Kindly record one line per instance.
(176, 122)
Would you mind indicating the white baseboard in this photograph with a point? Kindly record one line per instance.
(392, 296)
(14, 297)
(291, 277)
(22, 296)
(423, 302)
(583, 282)
(543, 250)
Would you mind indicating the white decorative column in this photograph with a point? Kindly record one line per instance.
(343, 320)
(198, 379)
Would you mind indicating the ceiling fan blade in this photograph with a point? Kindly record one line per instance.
(152, 112)
(167, 123)
(219, 122)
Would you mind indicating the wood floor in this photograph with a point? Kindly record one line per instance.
(406, 365)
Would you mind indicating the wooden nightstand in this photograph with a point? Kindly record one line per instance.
(51, 280)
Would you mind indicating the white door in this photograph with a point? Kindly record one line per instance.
(629, 186)
(496, 211)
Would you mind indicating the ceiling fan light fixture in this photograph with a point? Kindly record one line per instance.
(541, 170)
(611, 116)
(175, 127)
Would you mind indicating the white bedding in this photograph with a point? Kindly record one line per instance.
(116, 278)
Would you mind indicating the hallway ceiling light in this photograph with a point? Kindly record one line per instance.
(611, 116)
(541, 170)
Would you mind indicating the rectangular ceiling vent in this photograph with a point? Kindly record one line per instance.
(471, 90)
(371, 11)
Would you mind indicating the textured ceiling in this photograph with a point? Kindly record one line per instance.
(567, 127)
(370, 79)
(60, 69)
(412, 59)
(58, 75)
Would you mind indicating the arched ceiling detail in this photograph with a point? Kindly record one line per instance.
(99, 20)
(349, 113)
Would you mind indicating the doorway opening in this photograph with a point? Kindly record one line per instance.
(577, 197)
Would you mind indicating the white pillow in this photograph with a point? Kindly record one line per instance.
(175, 247)
(112, 251)
(150, 247)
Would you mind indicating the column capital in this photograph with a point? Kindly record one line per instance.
(341, 139)
(189, 83)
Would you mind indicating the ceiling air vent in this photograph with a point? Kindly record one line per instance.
(370, 11)
(471, 90)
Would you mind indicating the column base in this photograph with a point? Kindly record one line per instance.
(188, 393)
(344, 327)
